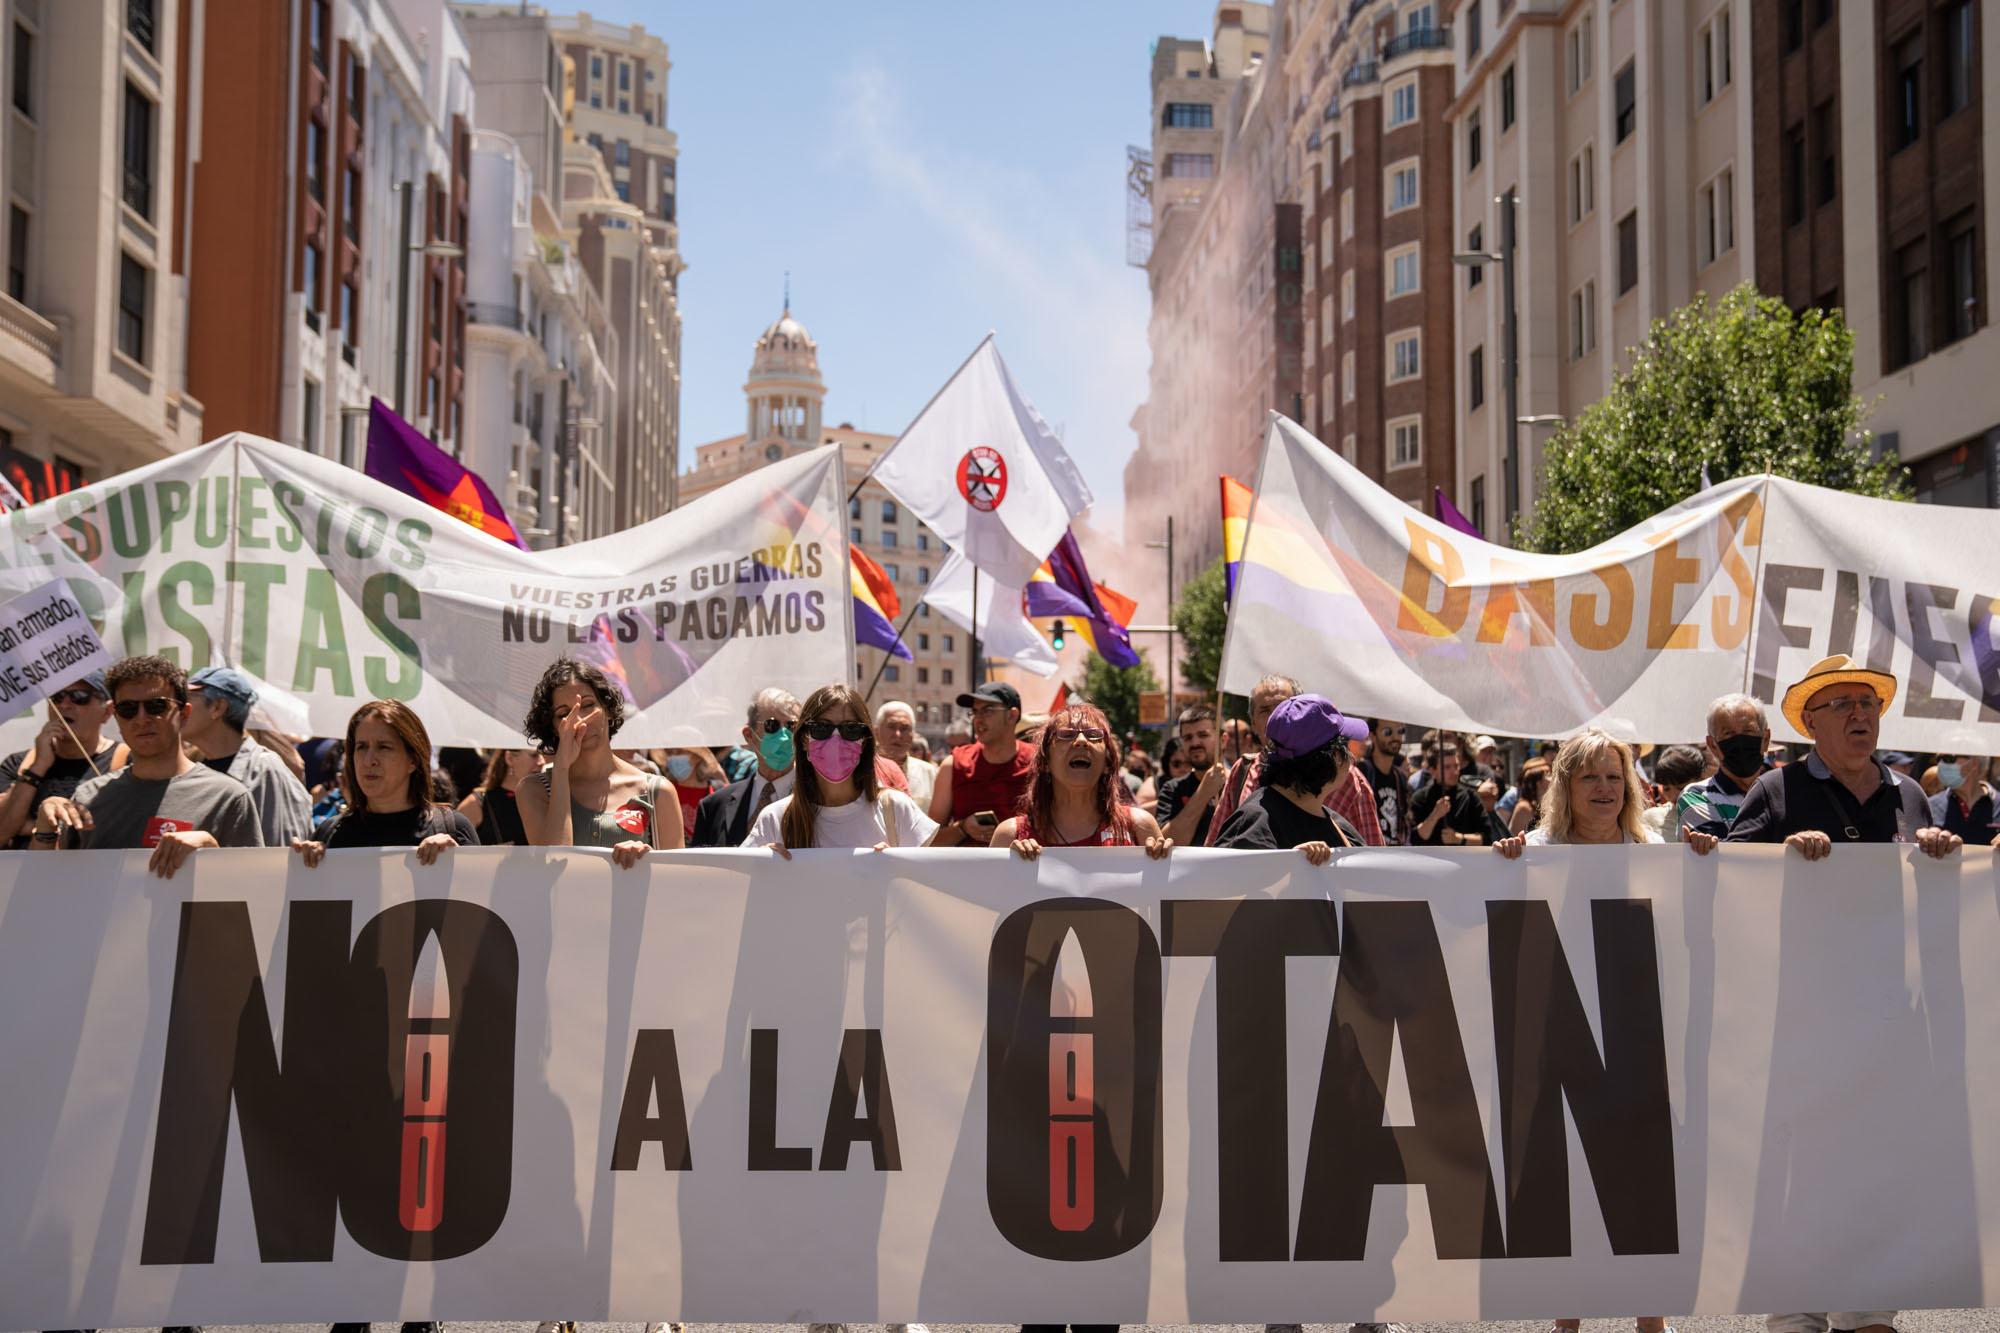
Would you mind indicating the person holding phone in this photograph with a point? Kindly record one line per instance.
(986, 780)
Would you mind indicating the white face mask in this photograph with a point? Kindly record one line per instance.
(1952, 776)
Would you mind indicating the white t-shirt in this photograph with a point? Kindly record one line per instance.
(1539, 838)
(856, 824)
(922, 776)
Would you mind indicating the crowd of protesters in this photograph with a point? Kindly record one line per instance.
(189, 772)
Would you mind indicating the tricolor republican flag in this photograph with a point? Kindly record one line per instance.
(981, 467)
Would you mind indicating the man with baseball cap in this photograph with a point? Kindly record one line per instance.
(1306, 760)
(219, 700)
(1841, 793)
(984, 782)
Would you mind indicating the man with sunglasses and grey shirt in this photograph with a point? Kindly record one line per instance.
(162, 799)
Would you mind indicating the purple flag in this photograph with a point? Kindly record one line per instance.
(1447, 513)
(399, 456)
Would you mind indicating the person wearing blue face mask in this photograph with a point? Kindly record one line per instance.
(1966, 806)
(723, 818)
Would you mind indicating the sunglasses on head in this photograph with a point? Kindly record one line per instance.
(849, 731)
(78, 696)
(158, 706)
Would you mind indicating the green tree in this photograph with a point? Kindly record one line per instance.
(1739, 387)
(1117, 689)
(1202, 619)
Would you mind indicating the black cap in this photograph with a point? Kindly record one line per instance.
(992, 691)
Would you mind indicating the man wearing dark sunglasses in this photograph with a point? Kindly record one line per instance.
(723, 818)
(56, 764)
(161, 799)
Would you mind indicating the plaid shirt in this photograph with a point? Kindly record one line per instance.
(1353, 800)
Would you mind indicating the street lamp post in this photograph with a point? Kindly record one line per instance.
(1168, 547)
(430, 249)
(1509, 345)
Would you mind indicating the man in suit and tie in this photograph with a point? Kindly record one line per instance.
(723, 818)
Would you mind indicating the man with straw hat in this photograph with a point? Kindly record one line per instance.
(1841, 792)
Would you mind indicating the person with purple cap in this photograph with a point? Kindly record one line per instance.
(1305, 761)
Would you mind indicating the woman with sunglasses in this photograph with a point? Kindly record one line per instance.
(588, 796)
(386, 769)
(1075, 797)
(837, 797)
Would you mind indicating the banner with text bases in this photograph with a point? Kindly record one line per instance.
(955, 1086)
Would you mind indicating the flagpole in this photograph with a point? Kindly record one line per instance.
(972, 667)
(949, 380)
(887, 654)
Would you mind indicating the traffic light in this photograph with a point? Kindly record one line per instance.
(1056, 633)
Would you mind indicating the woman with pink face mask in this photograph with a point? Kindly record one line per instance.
(837, 799)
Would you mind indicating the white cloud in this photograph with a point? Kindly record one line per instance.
(1084, 310)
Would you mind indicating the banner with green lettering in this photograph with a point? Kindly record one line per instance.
(330, 589)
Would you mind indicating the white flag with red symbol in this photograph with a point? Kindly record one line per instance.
(982, 468)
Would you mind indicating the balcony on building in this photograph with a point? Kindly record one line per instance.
(1416, 39)
(1358, 74)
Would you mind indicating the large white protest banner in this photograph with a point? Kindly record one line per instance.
(330, 588)
(1226, 1087)
(1740, 588)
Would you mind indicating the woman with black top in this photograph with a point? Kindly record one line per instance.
(492, 808)
(386, 772)
(1305, 762)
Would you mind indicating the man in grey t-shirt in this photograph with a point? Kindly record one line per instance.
(162, 799)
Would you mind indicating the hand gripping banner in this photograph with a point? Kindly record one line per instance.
(953, 1086)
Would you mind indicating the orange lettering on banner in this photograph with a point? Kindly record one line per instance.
(1432, 557)
(1671, 570)
(1504, 602)
(1602, 635)
(1729, 617)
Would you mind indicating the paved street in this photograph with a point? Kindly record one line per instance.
(1912, 1321)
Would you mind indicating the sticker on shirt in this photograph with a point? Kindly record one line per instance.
(159, 826)
(631, 818)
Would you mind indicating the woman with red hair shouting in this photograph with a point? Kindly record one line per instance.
(1075, 797)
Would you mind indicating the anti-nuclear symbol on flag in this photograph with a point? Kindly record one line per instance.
(982, 478)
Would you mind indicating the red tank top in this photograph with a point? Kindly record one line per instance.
(1106, 836)
(977, 785)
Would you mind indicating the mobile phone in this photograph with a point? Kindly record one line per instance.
(987, 819)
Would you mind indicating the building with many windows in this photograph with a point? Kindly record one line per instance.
(1225, 329)
(1875, 191)
(95, 153)
(1373, 82)
(783, 398)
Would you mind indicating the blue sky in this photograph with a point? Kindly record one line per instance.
(926, 172)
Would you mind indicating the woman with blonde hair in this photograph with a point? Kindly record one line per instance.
(1595, 795)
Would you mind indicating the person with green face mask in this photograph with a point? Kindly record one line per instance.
(723, 818)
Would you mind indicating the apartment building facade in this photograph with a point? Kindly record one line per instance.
(95, 152)
(1225, 273)
(1374, 81)
(1875, 193)
(629, 238)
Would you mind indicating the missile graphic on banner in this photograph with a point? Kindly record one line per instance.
(426, 1070)
(1072, 1095)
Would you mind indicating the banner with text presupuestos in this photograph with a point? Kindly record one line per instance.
(1739, 588)
(953, 1086)
(330, 589)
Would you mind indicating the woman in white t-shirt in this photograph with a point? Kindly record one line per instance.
(836, 799)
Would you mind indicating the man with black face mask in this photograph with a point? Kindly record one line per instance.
(1738, 736)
